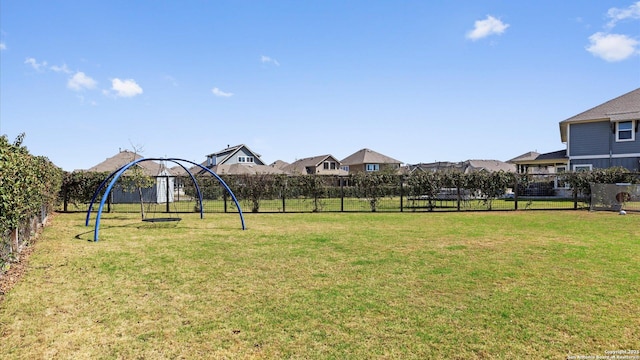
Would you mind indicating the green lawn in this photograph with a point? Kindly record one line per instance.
(509, 285)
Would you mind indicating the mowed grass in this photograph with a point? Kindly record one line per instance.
(505, 285)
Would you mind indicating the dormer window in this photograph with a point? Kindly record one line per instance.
(624, 131)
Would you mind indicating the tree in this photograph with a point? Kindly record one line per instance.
(314, 187)
(253, 188)
(425, 184)
(374, 185)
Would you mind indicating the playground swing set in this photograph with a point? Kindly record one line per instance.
(114, 176)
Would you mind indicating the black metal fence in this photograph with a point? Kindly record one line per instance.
(340, 194)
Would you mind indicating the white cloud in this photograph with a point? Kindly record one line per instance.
(268, 60)
(3, 46)
(615, 14)
(612, 47)
(34, 64)
(220, 93)
(484, 28)
(62, 69)
(81, 81)
(125, 88)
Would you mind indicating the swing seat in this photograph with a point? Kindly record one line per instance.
(165, 219)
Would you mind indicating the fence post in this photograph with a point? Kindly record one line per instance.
(458, 194)
(401, 193)
(515, 194)
(341, 194)
(575, 199)
(284, 196)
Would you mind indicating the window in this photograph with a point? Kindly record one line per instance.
(373, 167)
(624, 131)
(584, 167)
(245, 159)
(329, 165)
(345, 168)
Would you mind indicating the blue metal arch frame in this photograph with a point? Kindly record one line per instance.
(104, 182)
(116, 174)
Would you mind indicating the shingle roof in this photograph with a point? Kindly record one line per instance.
(531, 155)
(151, 168)
(623, 107)
(300, 166)
(368, 156)
(554, 155)
(489, 165)
(279, 164)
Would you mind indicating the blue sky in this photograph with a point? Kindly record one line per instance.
(419, 81)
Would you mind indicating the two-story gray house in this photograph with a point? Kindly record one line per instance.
(237, 160)
(605, 136)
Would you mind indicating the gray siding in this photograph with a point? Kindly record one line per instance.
(626, 147)
(589, 138)
(595, 139)
(631, 163)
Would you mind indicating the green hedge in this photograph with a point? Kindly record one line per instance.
(28, 185)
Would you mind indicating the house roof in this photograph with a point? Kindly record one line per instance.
(151, 168)
(554, 155)
(230, 151)
(624, 107)
(300, 166)
(179, 171)
(488, 165)
(279, 164)
(466, 166)
(436, 166)
(368, 156)
(528, 156)
(532, 157)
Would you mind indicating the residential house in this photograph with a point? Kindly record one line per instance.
(239, 159)
(541, 164)
(367, 160)
(318, 165)
(604, 136)
(164, 179)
